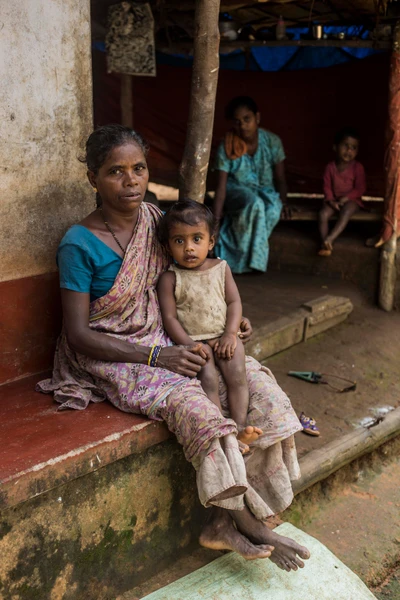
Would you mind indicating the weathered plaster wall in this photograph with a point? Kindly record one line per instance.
(103, 533)
(45, 115)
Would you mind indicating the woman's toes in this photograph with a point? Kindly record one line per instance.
(304, 553)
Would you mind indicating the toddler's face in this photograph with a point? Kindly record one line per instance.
(347, 150)
(189, 245)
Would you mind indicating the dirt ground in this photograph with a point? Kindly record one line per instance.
(360, 523)
(365, 348)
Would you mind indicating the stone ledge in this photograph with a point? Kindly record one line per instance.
(42, 448)
(310, 319)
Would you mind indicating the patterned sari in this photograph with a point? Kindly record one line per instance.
(130, 311)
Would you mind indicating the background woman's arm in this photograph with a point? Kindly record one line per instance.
(100, 346)
(220, 194)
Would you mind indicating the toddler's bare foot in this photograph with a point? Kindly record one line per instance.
(244, 449)
(249, 434)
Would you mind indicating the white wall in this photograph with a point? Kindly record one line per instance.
(45, 117)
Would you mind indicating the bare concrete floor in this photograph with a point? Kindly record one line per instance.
(365, 348)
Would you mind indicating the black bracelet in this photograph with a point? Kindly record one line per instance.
(155, 355)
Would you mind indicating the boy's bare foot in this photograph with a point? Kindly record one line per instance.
(326, 249)
(224, 536)
(249, 434)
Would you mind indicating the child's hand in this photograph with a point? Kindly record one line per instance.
(342, 201)
(206, 352)
(201, 349)
(225, 347)
(334, 204)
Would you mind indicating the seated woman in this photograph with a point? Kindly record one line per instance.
(251, 188)
(113, 347)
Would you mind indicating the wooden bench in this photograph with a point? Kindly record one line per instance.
(305, 207)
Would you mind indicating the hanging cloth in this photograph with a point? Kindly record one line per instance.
(130, 42)
(235, 147)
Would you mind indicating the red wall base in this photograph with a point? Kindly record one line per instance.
(30, 321)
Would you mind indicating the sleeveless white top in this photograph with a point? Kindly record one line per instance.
(200, 301)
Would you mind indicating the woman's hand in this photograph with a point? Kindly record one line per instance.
(182, 359)
(342, 201)
(225, 347)
(246, 330)
(286, 213)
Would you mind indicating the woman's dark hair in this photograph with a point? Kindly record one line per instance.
(104, 139)
(239, 102)
(188, 212)
(346, 132)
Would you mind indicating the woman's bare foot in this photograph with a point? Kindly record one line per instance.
(287, 554)
(220, 534)
(249, 434)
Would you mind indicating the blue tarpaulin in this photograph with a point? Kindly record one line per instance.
(287, 58)
(283, 58)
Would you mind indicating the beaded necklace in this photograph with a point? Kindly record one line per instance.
(112, 232)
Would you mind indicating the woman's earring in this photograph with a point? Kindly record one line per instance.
(95, 189)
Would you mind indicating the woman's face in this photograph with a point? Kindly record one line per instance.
(245, 123)
(122, 179)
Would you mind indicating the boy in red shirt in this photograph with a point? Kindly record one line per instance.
(344, 184)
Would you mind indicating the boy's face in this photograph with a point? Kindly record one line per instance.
(189, 245)
(347, 150)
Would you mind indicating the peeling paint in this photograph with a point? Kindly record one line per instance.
(45, 115)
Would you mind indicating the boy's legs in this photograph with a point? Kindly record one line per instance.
(346, 212)
(234, 374)
(324, 215)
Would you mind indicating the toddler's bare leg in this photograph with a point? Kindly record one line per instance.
(208, 377)
(234, 374)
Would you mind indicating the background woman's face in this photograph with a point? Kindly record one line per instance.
(245, 123)
(122, 179)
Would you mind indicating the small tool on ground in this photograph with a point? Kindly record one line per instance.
(314, 377)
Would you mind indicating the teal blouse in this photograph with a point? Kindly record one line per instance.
(256, 170)
(86, 264)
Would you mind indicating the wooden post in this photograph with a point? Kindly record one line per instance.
(388, 239)
(126, 100)
(196, 155)
(387, 278)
